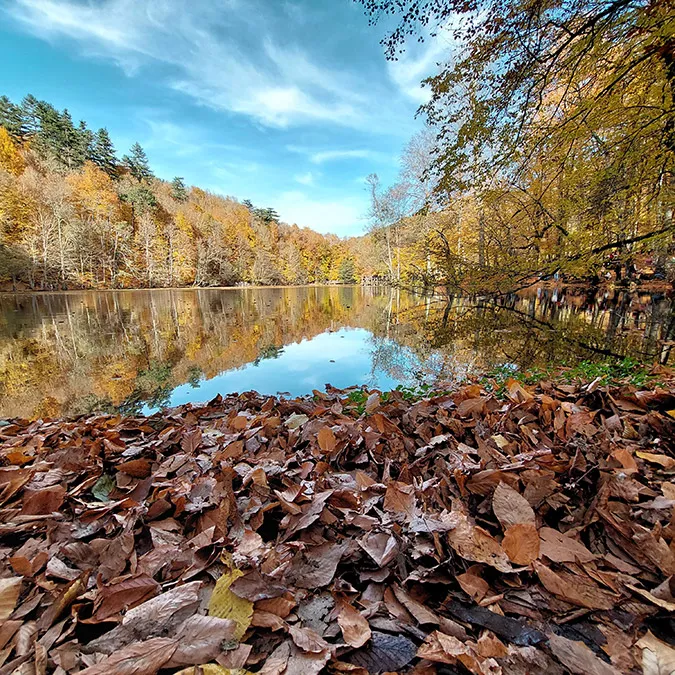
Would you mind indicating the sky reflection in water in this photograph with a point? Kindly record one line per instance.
(132, 351)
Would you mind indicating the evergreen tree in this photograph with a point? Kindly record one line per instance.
(29, 112)
(347, 271)
(137, 163)
(141, 201)
(248, 204)
(103, 153)
(178, 190)
(48, 125)
(83, 144)
(11, 117)
(268, 215)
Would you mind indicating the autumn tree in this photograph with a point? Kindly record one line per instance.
(559, 118)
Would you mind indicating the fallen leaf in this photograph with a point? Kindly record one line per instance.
(574, 589)
(224, 604)
(510, 507)
(10, 588)
(474, 543)
(307, 639)
(384, 653)
(560, 548)
(400, 499)
(663, 460)
(658, 658)
(521, 543)
(355, 628)
(578, 657)
(326, 439)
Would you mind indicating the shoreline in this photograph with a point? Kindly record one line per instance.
(632, 287)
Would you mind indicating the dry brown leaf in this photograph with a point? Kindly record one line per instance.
(355, 628)
(521, 543)
(400, 499)
(10, 588)
(139, 658)
(658, 658)
(574, 589)
(316, 566)
(380, 546)
(475, 544)
(510, 507)
(473, 585)
(307, 639)
(662, 460)
(560, 548)
(578, 657)
(326, 439)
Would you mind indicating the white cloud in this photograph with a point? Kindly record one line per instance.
(205, 45)
(342, 217)
(418, 62)
(322, 156)
(306, 178)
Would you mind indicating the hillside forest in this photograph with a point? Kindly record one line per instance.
(548, 152)
(75, 215)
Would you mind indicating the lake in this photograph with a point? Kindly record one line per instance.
(72, 353)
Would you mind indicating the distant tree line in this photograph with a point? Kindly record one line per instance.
(74, 215)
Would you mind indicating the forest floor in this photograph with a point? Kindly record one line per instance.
(519, 529)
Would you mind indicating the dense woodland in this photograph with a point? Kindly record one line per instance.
(549, 151)
(551, 147)
(73, 215)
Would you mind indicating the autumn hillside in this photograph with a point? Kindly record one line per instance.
(73, 215)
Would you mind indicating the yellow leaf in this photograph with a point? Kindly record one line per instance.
(213, 669)
(226, 605)
(671, 413)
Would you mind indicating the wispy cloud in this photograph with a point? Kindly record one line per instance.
(222, 54)
(418, 62)
(308, 178)
(323, 156)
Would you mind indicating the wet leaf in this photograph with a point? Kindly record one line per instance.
(384, 653)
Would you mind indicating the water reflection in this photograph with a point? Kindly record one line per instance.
(69, 353)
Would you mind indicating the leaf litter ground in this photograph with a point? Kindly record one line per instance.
(463, 533)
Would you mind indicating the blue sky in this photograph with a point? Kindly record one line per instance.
(289, 103)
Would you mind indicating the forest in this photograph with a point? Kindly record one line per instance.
(550, 147)
(548, 151)
(74, 215)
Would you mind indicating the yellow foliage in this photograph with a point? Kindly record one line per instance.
(10, 157)
(94, 192)
(226, 605)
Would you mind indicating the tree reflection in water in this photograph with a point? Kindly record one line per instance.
(69, 353)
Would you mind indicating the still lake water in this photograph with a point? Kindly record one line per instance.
(71, 353)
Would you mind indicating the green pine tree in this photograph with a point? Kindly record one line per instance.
(178, 190)
(29, 112)
(103, 153)
(141, 201)
(12, 118)
(137, 163)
